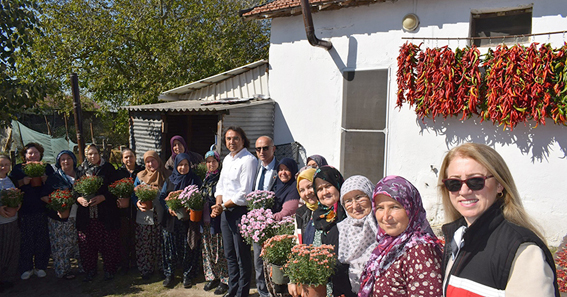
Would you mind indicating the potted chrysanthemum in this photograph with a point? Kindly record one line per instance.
(310, 268)
(194, 201)
(276, 251)
(87, 186)
(257, 225)
(146, 194)
(61, 201)
(174, 202)
(260, 199)
(123, 189)
(12, 198)
(35, 170)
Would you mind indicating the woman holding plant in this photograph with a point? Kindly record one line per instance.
(407, 260)
(10, 203)
(62, 231)
(98, 218)
(214, 262)
(327, 182)
(148, 231)
(175, 246)
(34, 246)
(128, 169)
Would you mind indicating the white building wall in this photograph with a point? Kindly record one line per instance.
(307, 83)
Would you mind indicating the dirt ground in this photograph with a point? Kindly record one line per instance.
(129, 284)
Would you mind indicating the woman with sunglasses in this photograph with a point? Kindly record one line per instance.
(492, 247)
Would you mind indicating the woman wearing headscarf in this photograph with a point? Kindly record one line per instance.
(148, 231)
(287, 197)
(62, 231)
(304, 214)
(357, 233)
(214, 262)
(176, 249)
(316, 161)
(98, 219)
(407, 260)
(128, 169)
(178, 146)
(327, 183)
(34, 245)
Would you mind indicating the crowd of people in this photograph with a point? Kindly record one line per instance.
(383, 242)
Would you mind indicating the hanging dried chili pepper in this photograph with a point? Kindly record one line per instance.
(407, 61)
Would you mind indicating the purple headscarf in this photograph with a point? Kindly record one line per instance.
(180, 139)
(390, 248)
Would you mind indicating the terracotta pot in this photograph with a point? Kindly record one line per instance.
(36, 182)
(182, 214)
(147, 204)
(123, 202)
(64, 214)
(278, 276)
(314, 291)
(196, 215)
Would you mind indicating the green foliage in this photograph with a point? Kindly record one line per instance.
(18, 22)
(311, 265)
(201, 170)
(277, 249)
(34, 169)
(128, 52)
(88, 185)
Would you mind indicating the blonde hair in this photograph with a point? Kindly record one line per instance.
(486, 156)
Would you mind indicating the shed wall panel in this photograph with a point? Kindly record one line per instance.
(145, 133)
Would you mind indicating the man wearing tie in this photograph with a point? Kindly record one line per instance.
(265, 180)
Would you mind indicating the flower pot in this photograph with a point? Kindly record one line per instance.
(182, 214)
(196, 215)
(64, 213)
(147, 204)
(314, 291)
(278, 276)
(123, 202)
(36, 181)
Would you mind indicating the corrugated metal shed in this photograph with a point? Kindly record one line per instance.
(202, 110)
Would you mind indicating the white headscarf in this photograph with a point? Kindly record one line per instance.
(357, 237)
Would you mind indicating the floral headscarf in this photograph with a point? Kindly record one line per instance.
(324, 217)
(390, 248)
(217, 157)
(357, 237)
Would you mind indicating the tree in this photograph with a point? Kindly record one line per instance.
(18, 22)
(128, 51)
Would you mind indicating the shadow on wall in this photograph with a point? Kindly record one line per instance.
(282, 134)
(530, 140)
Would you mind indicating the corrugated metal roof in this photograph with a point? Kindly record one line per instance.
(196, 106)
(283, 8)
(237, 78)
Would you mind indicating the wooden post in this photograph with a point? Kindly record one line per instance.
(48, 127)
(92, 133)
(78, 116)
(8, 141)
(66, 127)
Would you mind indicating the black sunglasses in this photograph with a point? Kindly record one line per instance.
(265, 148)
(474, 183)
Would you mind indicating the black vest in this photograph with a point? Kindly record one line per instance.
(490, 247)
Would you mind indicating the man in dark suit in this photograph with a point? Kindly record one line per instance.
(266, 176)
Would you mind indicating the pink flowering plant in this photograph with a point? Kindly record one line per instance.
(260, 199)
(191, 198)
(173, 201)
(146, 192)
(257, 225)
(11, 197)
(310, 265)
(277, 249)
(285, 226)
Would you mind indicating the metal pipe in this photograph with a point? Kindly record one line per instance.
(310, 30)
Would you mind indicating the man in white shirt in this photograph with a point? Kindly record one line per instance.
(266, 176)
(236, 180)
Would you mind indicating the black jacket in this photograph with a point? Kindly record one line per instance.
(490, 246)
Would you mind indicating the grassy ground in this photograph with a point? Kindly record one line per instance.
(129, 284)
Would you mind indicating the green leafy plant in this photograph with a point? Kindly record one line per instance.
(11, 197)
(173, 201)
(61, 200)
(311, 265)
(145, 192)
(201, 170)
(88, 185)
(122, 188)
(277, 249)
(260, 199)
(34, 169)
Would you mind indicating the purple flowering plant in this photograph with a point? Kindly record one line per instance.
(257, 225)
(260, 199)
(191, 198)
